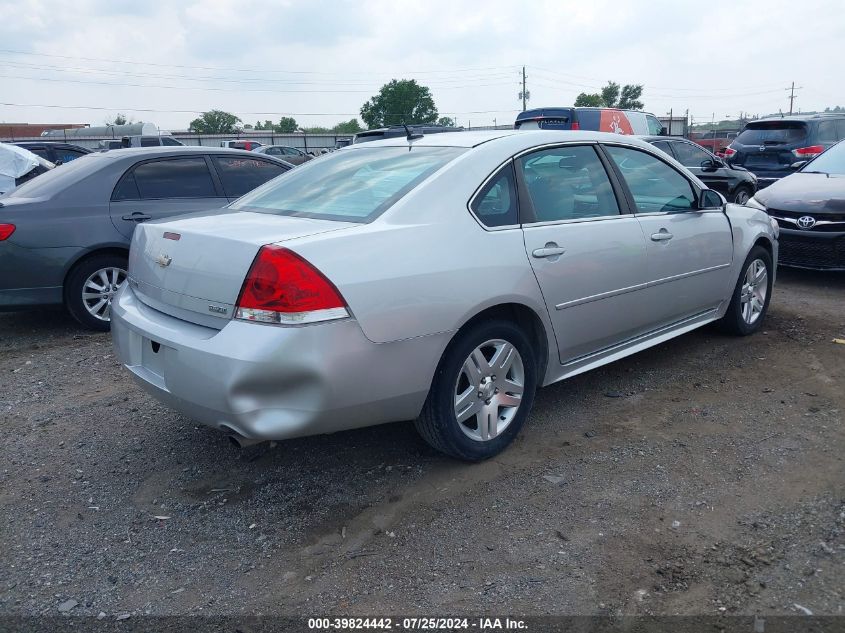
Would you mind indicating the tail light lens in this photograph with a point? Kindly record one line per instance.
(283, 288)
(728, 152)
(576, 125)
(808, 152)
(6, 231)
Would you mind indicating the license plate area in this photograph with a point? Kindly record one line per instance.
(153, 356)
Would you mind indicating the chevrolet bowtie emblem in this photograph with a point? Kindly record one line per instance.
(164, 260)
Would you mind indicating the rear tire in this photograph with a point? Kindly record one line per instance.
(90, 288)
(753, 291)
(482, 392)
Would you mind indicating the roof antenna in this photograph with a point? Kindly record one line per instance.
(411, 135)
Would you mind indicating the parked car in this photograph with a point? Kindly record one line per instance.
(241, 144)
(342, 142)
(56, 153)
(809, 206)
(442, 278)
(107, 144)
(290, 154)
(714, 140)
(597, 119)
(769, 147)
(65, 235)
(162, 140)
(399, 131)
(19, 165)
(737, 184)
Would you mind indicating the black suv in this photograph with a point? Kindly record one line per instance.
(737, 184)
(771, 147)
(56, 153)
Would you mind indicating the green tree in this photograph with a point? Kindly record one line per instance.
(400, 101)
(347, 127)
(286, 125)
(611, 96)
(446, 121)
(317, 129)
(585, 100)
(215, 122)
(119, 119)
(267, 125)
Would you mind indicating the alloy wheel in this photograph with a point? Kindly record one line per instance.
(99, 290)
(489, 389)
(755, 288)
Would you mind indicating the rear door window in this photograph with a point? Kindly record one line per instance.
(567, 183)
(148, 141)
(773, 133)
(654, 185)
(126, 188)
(240, 175)
(175, 178)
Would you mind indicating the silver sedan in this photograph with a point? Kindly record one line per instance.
(440, 278)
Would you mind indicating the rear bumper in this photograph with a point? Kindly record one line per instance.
(808, 249)
(271, 382)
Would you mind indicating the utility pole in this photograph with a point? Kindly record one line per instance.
(524, 95)
(792, 97)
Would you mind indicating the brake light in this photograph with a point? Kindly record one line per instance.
(6, 231)
(728, 152)
(808, 152)
(576, 125)
(281, 287)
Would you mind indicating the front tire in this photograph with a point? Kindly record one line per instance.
(742, 195)
(482, 392)
(91, 287)
(752, 294)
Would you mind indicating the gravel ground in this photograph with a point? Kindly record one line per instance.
(703, 476)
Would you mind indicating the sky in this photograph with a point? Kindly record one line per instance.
(166, 61)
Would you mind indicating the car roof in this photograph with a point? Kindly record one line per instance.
(530, 138)
(48, 143)
(165, 150)
(798, 117)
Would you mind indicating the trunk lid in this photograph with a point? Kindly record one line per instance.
(193, 267)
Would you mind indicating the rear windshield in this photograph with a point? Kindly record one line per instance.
(831, 162)
(55, 180)
(349, 186)
(773, 133)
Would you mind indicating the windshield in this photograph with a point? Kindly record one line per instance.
(830, 162)
(773, 133)
(350, 186)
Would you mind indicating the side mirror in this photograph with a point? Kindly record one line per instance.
(664, 131)
(58, 162)
(711, 164)
(798, 164)
(709, 199)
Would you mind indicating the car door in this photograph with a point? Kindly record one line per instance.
(716, 176)
(163, 187)
(241, 174)
(689, 250)
(587, 253)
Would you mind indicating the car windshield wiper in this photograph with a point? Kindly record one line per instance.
(816, 172)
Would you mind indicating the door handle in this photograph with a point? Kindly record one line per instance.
(137, 217)
(661, 236)
(549, 250)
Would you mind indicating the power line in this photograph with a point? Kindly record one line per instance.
(254, 70)
(155, 110)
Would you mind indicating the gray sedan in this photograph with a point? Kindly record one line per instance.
(67, 232)
(441, 279)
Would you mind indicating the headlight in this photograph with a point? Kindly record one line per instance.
(755, 204)
(775, 227)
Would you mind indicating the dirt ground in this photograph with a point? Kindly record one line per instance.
(704, 476)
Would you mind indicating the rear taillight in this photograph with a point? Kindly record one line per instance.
(576, 125)
(283, 288)
(728, 152)
(808, 152)
(6, 231)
